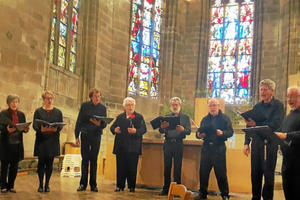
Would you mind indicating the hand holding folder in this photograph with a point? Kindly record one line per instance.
(173, 121)
(254, 114)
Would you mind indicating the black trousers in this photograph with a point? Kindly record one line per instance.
(173, 151)
(9, 170)
(89, 153)
(213, 157)
(291, 177)
(263, 165)
(45, 168)
(126, 169)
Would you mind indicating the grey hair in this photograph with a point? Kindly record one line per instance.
(12, 97)
(294, 88)
(213, 99)
(268, 82)
(176, 99)
(128, 99)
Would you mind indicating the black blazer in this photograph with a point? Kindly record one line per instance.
(125, 142)
(6, 152)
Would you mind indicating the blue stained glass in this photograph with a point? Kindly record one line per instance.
(156, 40)
(230, 51)
(245, 46)
(231, 30)
(145, 45)
(232, 14)
(228, 95)
(155, 56)
(246, 30)
(147, 19)
(215, 48)
(146, 36)
(139, 2)
(229, 64)
(135, 47)
(214, 64)
(145, 51)
(144, 72)
(244, 63)
(216, 31)
(227, 80)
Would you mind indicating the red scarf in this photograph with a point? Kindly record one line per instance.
(14, 116)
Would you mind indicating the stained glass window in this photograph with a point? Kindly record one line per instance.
(145, 47)
(64, 34)
(230, 50)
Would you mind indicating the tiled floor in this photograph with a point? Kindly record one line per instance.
(65, 188)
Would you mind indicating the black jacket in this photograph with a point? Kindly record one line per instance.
(274, 113)
(222, 122)
(291, 126)
(47, 144)
(125, 142)
(7, 150)
(83, 124)
(184, 121)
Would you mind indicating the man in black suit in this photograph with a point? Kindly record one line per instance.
(214, 130)
(173, 145)
(90, 131)
(128, 128)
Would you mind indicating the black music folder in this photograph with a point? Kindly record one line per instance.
(22, 126)
(174, 121)
(105, 119)
(50, 125)
(264, 132)
(254, 114)
(209, 130)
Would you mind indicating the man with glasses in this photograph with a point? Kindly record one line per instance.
(290, 134)
(215, 128)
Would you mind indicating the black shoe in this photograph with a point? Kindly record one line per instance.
(225, 197)
(46, 189)
(3, 190)
(131, 190)
(12, 190)
(94, 189)
(119, 189)
(81, 188)
(163, 193)
(40, 189)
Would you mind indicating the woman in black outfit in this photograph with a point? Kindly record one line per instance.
(128, 128)
(47, 139)
(11, 143)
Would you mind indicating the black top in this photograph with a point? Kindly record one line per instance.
(184, 121)
(47, 144)
(11, 149)
(274, 114)
(83, 124)
(291, 126)
(220, 121)
(125, 142)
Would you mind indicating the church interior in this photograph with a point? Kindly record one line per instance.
(150, 50)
